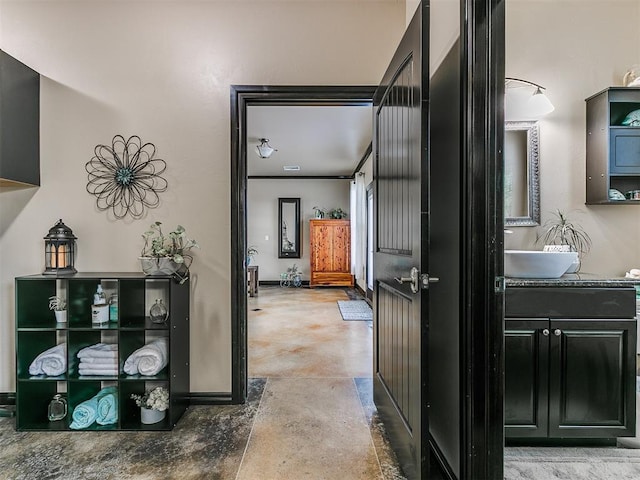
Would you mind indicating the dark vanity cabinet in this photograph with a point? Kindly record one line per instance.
(570, 363)
(613, 148)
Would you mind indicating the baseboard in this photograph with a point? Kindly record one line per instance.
(7, 398)
(209, 398)
(195, 398)
(276, 283)
(445, 468)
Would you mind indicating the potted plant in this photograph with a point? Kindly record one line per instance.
(59, 307)
(562, 234)
(167, 254)
(153, 405)
(319, 212)
(337, 213)
(251, 252)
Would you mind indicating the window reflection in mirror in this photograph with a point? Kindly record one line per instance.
(521, 174)
(289, 228)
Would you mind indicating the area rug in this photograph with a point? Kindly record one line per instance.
(548, 463)
(355, 310)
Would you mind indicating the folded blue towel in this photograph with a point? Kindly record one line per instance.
(107, 409)
(86, 412)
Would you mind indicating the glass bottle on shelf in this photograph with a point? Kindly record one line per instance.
(57, 408)
(113, 307)
(158, 312)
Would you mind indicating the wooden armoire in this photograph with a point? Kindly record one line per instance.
(330, 253)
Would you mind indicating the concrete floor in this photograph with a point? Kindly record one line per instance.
(309, 415)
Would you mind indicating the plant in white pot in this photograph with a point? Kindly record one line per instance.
(167, 254)
(59, 307)
(561, 234)
(153, 405)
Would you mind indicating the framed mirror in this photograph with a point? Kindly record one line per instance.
(289, 228)
(521, 174)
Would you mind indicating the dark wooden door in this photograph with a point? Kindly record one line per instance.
(526, 382)
(401, 229)
(592, 378)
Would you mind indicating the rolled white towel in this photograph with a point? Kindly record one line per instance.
(148, 360)
(99, 350)
(52, 362)
(633, 273)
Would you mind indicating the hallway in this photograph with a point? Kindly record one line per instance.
(316, 418)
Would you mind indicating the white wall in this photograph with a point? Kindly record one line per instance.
(162, 70)
(262, 218)
(575, 48)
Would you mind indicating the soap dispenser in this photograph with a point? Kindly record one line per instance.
(99, 297)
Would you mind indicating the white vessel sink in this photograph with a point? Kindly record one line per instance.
(537, 264)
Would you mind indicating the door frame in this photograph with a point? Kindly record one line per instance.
(482, 322)
(241, 97)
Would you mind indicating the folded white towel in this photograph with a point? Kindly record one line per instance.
(99, 350)
(52, 362)
(150, 359)
(99, 361)
(98, 371)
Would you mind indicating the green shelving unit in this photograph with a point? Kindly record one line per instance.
(37, 331)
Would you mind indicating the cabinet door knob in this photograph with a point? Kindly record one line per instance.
(545, 332)
(557, 332)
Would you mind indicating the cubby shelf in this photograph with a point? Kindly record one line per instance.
(37, 331)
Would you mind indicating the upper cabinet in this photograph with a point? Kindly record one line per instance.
(19, 123)
(613, 146)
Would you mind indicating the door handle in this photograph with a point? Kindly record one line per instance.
(546, 332)
(557, 332)
(413, 279)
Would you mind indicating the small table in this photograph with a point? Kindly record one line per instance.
(252, 270)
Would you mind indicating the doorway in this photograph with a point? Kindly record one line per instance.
(243, 97)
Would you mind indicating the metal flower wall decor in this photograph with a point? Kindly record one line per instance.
(125, 177)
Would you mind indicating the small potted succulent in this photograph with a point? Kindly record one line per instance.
(167, 254)
(153, 405)
(59, 307)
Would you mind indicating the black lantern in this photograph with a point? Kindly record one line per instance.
(59, 250)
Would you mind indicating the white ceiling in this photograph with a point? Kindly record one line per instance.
(323, 140)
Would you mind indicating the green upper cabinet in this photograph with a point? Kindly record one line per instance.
(19, 123)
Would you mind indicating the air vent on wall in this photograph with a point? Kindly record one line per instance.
(291, 168)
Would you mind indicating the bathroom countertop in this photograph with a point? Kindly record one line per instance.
(574, 280)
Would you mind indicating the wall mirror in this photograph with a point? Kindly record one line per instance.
(521, 174)
(289, 228)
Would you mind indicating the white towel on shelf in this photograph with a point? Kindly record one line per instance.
(99, 362)
(111, 372)
(52, 362)
(99, 350)
(148, 360)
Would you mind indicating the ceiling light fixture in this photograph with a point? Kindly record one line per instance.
(537, 104)
(264, 150)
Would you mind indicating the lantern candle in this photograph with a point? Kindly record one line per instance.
(59, 250)
(62, 256)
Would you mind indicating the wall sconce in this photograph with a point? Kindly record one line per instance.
(59, 250)
(264, 150)
(523, 107)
